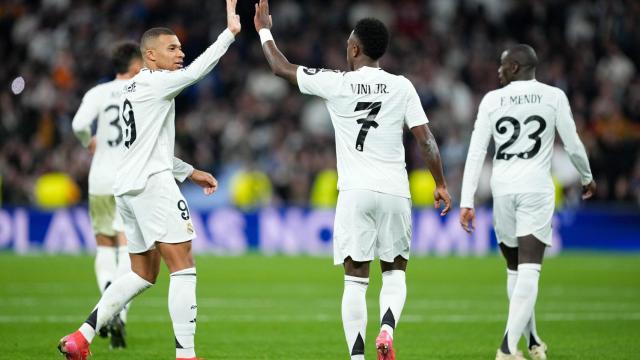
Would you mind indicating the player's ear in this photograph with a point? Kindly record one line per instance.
(150, 55)
(515, 67)
(355, 49)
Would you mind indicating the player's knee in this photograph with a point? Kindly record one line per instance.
(530, 250)
(399, 263)
(356, 268)
(512, 262)
(149, 275)
(151, 278)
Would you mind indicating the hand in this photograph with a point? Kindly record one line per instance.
(233, 20)
(206, 181)
(588, 190)
(468, 219)
(262, 19)
(441, 194)
(92, 145)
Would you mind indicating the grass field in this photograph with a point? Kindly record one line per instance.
(255, 307)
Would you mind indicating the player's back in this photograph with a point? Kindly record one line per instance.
(105, 98)
(368, 109)
(149, 131)
(523, 117)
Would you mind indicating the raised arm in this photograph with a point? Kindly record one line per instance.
(277, 61)
(431, 155)
(171, 83)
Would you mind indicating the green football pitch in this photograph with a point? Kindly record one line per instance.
(257, 307)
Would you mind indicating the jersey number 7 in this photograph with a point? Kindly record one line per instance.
(369, 121)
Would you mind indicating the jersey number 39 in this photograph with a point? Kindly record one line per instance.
(501, 154)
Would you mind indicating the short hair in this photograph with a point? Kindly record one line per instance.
(153, 34)
(373, 36)
(123, 54)
(524, 55)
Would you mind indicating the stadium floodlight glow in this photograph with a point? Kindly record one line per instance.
(17, 85)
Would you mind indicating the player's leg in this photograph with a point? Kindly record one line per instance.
(393, 246)
(504, 222)
(145, 268)
(169, 222)
(393, 293)
(533, 229)
(183, 308)
(529, 266)
(101, 209)
(145, 265)
(392, 298)
(117, 325)
(354, 305)
(511, 256)
(105, 263)
(525, 291)
(354, 238)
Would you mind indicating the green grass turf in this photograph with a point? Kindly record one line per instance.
(255, 307)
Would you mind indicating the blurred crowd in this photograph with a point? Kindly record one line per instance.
(243, 120)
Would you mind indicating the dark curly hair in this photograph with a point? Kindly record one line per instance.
(373, 36)
(122, 55)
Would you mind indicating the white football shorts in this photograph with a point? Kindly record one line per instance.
(370, 224)
(118, 224)
(158, 213)
(517, 215)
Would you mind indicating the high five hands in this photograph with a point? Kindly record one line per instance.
(262, 18)
(233, 20)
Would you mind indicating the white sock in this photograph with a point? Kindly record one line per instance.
(183, 310)
(392, 297)
(121, 291)
(124, 266)
(512, 277)
(354, 314)
(522, 303)
(105, 266)
(530, 329)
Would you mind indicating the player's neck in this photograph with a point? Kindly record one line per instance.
(525, 76)
(151, 65)
(373, 64)
(124, 76)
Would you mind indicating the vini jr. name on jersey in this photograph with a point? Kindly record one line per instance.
(366, 89)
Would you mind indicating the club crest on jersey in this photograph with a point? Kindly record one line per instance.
(130, 88)
(313, 71)
(310, 71)
(189, 227)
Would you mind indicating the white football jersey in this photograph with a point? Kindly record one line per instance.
(102, 102)
(148, 116)
(522, 118)
(369, 108)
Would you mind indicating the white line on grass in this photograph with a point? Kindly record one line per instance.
(605, 305)
(410, 318)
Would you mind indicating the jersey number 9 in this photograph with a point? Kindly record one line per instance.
(129, 122)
